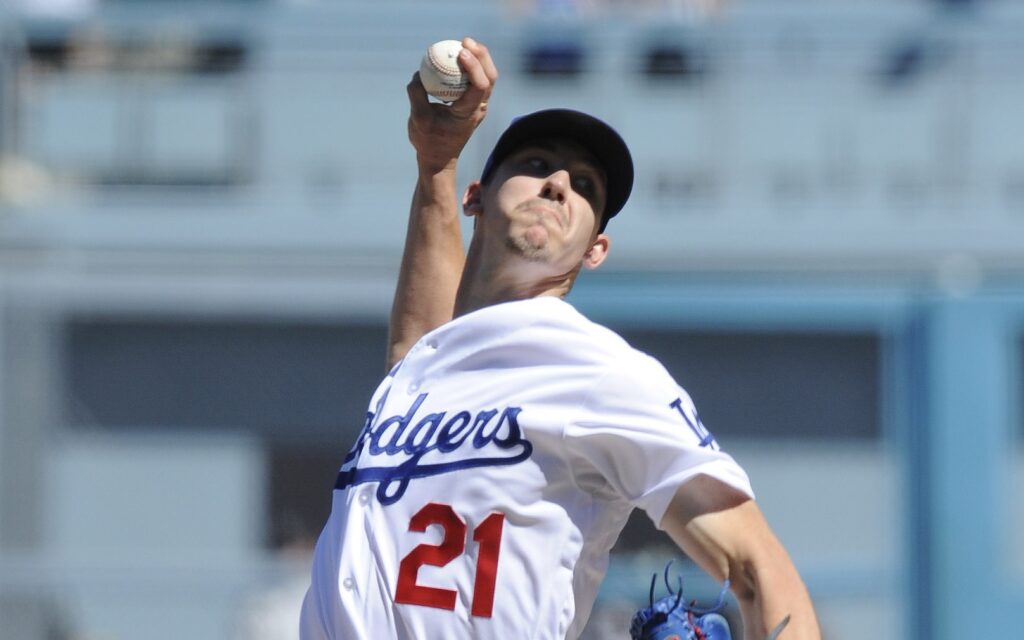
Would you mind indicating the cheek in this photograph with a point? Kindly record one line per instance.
(498, 203)
(586, 219)
(518, 188)
(582, 237)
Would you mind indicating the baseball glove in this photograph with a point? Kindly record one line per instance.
(671, 619)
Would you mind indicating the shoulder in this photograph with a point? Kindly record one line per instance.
(554, 331)
(581, 339)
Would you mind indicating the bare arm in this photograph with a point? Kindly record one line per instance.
(724, 532)
(433, 258)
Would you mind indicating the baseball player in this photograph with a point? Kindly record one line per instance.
(504, 450)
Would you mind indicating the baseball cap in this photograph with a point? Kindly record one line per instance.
(591, 133)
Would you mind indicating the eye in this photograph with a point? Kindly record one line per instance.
(584, 185)
(537, 165)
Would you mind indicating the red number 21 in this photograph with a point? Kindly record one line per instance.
(453, 543)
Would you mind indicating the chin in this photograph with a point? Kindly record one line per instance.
(529, 247)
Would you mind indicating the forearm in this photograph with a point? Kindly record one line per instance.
(770, 590)
(431, 262)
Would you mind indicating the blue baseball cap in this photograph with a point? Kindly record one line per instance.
(594, 135)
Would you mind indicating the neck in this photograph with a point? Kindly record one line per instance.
(482, 285)
(471, 298)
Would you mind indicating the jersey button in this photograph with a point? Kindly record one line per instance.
(364, 496)
(414, 387)
(432, 345)
(348, 583)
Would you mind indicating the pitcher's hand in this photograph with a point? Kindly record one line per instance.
(439, 132)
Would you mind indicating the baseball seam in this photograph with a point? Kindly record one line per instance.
(440, 66)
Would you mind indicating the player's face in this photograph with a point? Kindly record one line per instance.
(549, 196)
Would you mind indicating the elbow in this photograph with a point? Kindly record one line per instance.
(743, 579)
(765, 566)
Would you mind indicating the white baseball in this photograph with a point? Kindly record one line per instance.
(440, 72)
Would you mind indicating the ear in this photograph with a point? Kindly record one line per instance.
(472, 200)
(598, 251)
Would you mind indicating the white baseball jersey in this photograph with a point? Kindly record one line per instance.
(498, 464)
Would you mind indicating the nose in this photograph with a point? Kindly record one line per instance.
(556, 186)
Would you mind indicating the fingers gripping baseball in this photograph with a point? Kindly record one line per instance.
(476, 62)
(439, 132)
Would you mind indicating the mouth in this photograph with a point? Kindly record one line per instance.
(546, 210)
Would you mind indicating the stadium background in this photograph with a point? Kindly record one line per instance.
(202, 206)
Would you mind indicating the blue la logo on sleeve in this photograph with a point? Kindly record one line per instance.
(689, 414)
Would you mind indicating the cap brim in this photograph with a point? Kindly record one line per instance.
(596, 136)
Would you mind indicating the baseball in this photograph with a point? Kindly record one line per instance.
(440, 72)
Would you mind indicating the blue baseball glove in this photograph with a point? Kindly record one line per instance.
(671, 619)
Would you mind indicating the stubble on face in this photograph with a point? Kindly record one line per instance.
(533, 243)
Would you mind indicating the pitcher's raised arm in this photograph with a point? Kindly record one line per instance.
(433, 257)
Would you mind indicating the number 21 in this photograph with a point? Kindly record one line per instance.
(453, 543)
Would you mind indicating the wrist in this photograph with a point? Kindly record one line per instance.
(430, 167)
(436, 194)
(433, 179)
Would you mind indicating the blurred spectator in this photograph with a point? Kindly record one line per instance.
(553, 8)
(54, 8)
(688, 10)
(272, 613)
(8, 68)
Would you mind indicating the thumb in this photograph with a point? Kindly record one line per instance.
(418, 101)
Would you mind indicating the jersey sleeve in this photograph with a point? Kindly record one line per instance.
(638, 436)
